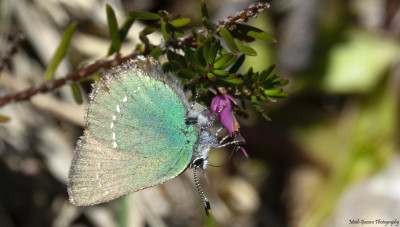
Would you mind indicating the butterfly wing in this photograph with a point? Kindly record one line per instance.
(136, 136)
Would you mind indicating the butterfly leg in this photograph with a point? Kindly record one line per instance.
(237, 140)
(223, 140)
(219, 130)
(227, 144)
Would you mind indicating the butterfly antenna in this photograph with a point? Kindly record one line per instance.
(203, 197)
(194, 100)
(197, 95)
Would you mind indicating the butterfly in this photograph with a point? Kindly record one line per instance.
(140, 131)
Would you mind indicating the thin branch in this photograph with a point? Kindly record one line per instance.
(73, 76)
(250, 12)
(6, 57)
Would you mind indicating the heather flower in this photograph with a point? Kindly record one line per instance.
(221, 104)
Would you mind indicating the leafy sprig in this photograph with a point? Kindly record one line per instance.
(207, 60)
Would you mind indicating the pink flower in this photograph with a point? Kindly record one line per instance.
(221, 104)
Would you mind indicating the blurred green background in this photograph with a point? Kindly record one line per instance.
(328, 156)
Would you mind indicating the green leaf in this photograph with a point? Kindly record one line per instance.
(226, 35)
(220, 72)
(60, 52)
(96, 77)
(192, 59)
(123, 32)
(263, 98)
(186, 73)
(242, 37)
(250, 71)
(204, 11)
(228, 63)
(113, 30)
(156, 52)
(234, 81)
(142, 48)
(262, 36)
(253, 99)
(149, 30)
(269, 92)
(275, 92)
(283, 82)
(209, 24)
(172, 56)
(144, 15)
(278, 82)
(4, 119)
(210, 51)
(180, 22)
(211, 76)
(266, 73)
(223, 51)
(224, 61)
(76, 92)
(235, 67)
(200, 57)
(165, 32)
(282, 95)
(200, 37)
(173, 66)
(177, 32)
(144, 39)
(245, 49)
(255, 33)
(262, 112)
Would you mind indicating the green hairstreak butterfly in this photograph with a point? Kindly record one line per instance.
(140, 131)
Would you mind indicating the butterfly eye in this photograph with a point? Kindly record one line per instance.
(198, 162)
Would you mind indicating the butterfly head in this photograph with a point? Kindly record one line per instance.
(205, 140)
